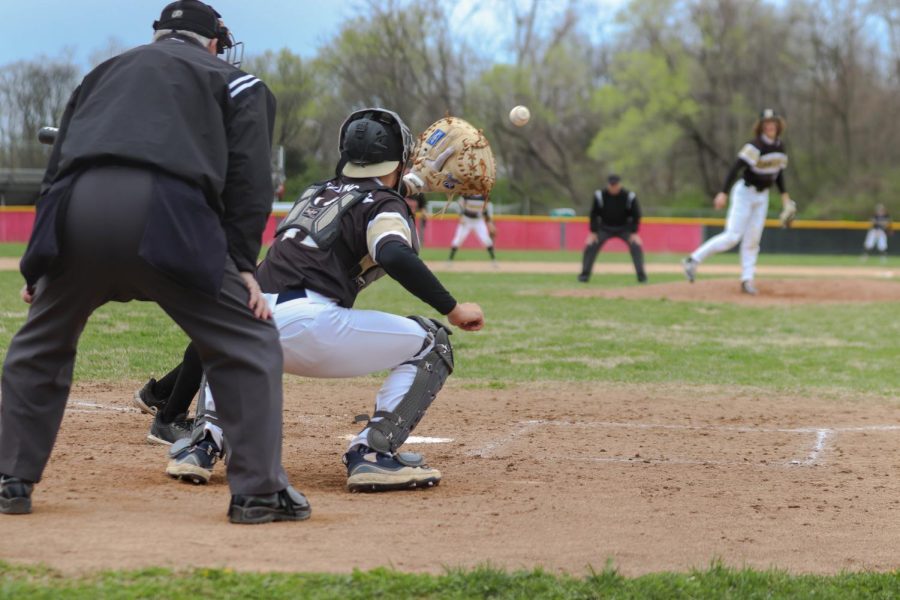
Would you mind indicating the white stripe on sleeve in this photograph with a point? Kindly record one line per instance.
(239, 81)
(249, 84)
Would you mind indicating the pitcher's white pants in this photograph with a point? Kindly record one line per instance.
(466, 226)
(876, 238)
(745, 222)
(321, 339)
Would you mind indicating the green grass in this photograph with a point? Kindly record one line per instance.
(532, 335)
(10, 249)
(484, 582)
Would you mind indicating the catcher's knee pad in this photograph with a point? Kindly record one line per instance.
(393, 428)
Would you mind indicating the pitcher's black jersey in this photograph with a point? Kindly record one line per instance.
(763, 162)
(296, 262)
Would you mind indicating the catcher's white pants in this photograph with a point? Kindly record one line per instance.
(321, 339)
(745, 222)
(466, 226)
(876, 238)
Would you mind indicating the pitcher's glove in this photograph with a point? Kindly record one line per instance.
(788, 214)
(452, 157)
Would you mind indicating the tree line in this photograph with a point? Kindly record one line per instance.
(664, 93)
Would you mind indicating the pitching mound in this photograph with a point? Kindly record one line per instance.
(771, 292)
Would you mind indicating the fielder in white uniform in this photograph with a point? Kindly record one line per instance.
(762, 161)
(339, 237)
(877, 236)
(478, 216)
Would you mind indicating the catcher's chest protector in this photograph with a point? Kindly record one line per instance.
(320, 218)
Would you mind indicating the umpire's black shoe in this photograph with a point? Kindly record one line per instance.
(146, 401)
(15, 495)
(286, 505)
(642, 278)
(583, 278)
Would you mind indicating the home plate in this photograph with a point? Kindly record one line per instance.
(413, 439)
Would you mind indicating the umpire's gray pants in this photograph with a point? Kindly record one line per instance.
(241, 354)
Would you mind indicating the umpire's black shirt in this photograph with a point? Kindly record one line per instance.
(177, 109)
(615, 212)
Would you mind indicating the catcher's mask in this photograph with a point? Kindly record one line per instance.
(374, 142)
(203, 19)
(765, 115)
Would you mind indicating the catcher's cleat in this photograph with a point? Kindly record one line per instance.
(195, 462)
(690, 268)
(15, 495)
(286, 505)
(748, 288)
(169, 433)
(370, 471)
(146, 401)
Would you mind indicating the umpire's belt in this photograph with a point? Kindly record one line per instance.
(288, 295)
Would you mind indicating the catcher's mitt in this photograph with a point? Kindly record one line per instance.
(788, 214)
(452, 157)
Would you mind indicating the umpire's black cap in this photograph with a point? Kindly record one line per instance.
(190, 15)
(613, 179)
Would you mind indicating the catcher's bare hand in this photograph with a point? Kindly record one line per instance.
(257, 302)
(720, 201)
(467, 316)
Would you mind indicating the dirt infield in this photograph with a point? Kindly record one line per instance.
(772, 292)
(554, 474)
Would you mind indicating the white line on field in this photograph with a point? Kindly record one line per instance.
(95, 407)
(737, 429)
(488, 449)
(822, 436)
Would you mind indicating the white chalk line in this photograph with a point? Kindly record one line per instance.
(823, 434)
(488, 449)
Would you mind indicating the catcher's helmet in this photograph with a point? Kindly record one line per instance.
(373, 142)
(203, 19)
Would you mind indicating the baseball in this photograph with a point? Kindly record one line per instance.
(519, 116)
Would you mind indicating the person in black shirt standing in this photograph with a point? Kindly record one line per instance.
(158, 188)
(761, 163)
(615, 213)
(340, 236)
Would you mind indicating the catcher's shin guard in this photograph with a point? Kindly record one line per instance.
(393, 428)
(206, 421)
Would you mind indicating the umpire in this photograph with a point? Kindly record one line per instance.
(615, 213)
(158, 188)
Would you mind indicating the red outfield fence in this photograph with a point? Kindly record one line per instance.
(516, 232)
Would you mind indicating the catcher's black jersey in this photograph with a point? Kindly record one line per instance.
(882, 222)
(763, 162)
(296, 262)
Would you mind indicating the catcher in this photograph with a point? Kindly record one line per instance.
(477, 215)
(762, 161)
(340, 236)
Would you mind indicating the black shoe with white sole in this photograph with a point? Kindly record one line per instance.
(370, 471)
(194, 462)
(169, 433)
(286, 505)
(146, 401)
(15, 495)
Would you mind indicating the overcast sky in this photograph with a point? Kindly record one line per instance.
(31, 28)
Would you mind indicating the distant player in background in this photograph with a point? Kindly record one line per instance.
(615, 213)
(418, 205)
(478, 216)
(877, 237)
(762, 161)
